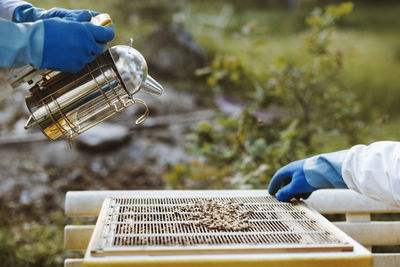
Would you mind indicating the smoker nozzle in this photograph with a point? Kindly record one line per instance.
(151, 86)
(29, 123)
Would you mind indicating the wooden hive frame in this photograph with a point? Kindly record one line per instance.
(88, 203)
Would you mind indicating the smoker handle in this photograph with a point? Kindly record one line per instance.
(102, 19)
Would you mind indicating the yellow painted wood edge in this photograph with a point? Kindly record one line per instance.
(356, 261)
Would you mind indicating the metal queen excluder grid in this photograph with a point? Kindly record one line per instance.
(151, 226)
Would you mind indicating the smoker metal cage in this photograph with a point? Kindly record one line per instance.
(151, 226)
(69, 104)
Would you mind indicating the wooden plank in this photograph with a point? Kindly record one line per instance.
(386, 259)
(210, 250)
(73, 263)
(331, 201)
(100, 224)
(86, 203)
(372, 233)
(358, 217)
(77, 237)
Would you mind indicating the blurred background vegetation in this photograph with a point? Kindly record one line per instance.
(303, 77)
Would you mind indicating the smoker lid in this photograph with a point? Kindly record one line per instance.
(132, 68)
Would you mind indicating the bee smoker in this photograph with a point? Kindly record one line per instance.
(67, 104)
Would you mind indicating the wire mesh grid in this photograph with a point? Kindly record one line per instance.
(154, 222)
(106, 84)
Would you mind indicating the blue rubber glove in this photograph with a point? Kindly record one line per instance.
(69, 45)
(300, 178)
(28, 13)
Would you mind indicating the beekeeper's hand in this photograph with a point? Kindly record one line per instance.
(300, 178)
(70, 45)
(29, 13)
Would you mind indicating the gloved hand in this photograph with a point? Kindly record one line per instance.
(69, 45)
(28, 13)
(300, 178)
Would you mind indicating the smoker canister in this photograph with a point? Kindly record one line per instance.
(67, 104)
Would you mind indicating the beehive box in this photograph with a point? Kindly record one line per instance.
(220, 227)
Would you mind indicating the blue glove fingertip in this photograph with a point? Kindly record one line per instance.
(297, 188)
(276, 183)
(99, 48)
(101, 34)
(84, 15)
(284, 176)
(283, 195)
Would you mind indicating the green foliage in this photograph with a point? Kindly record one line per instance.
(239, 145)
(230, 73)
(225, 68)
(31, 243)
(242, 151)
(322, 26)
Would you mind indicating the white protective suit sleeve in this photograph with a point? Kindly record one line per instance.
(374, 170)
(21, 43)
(7, 8)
